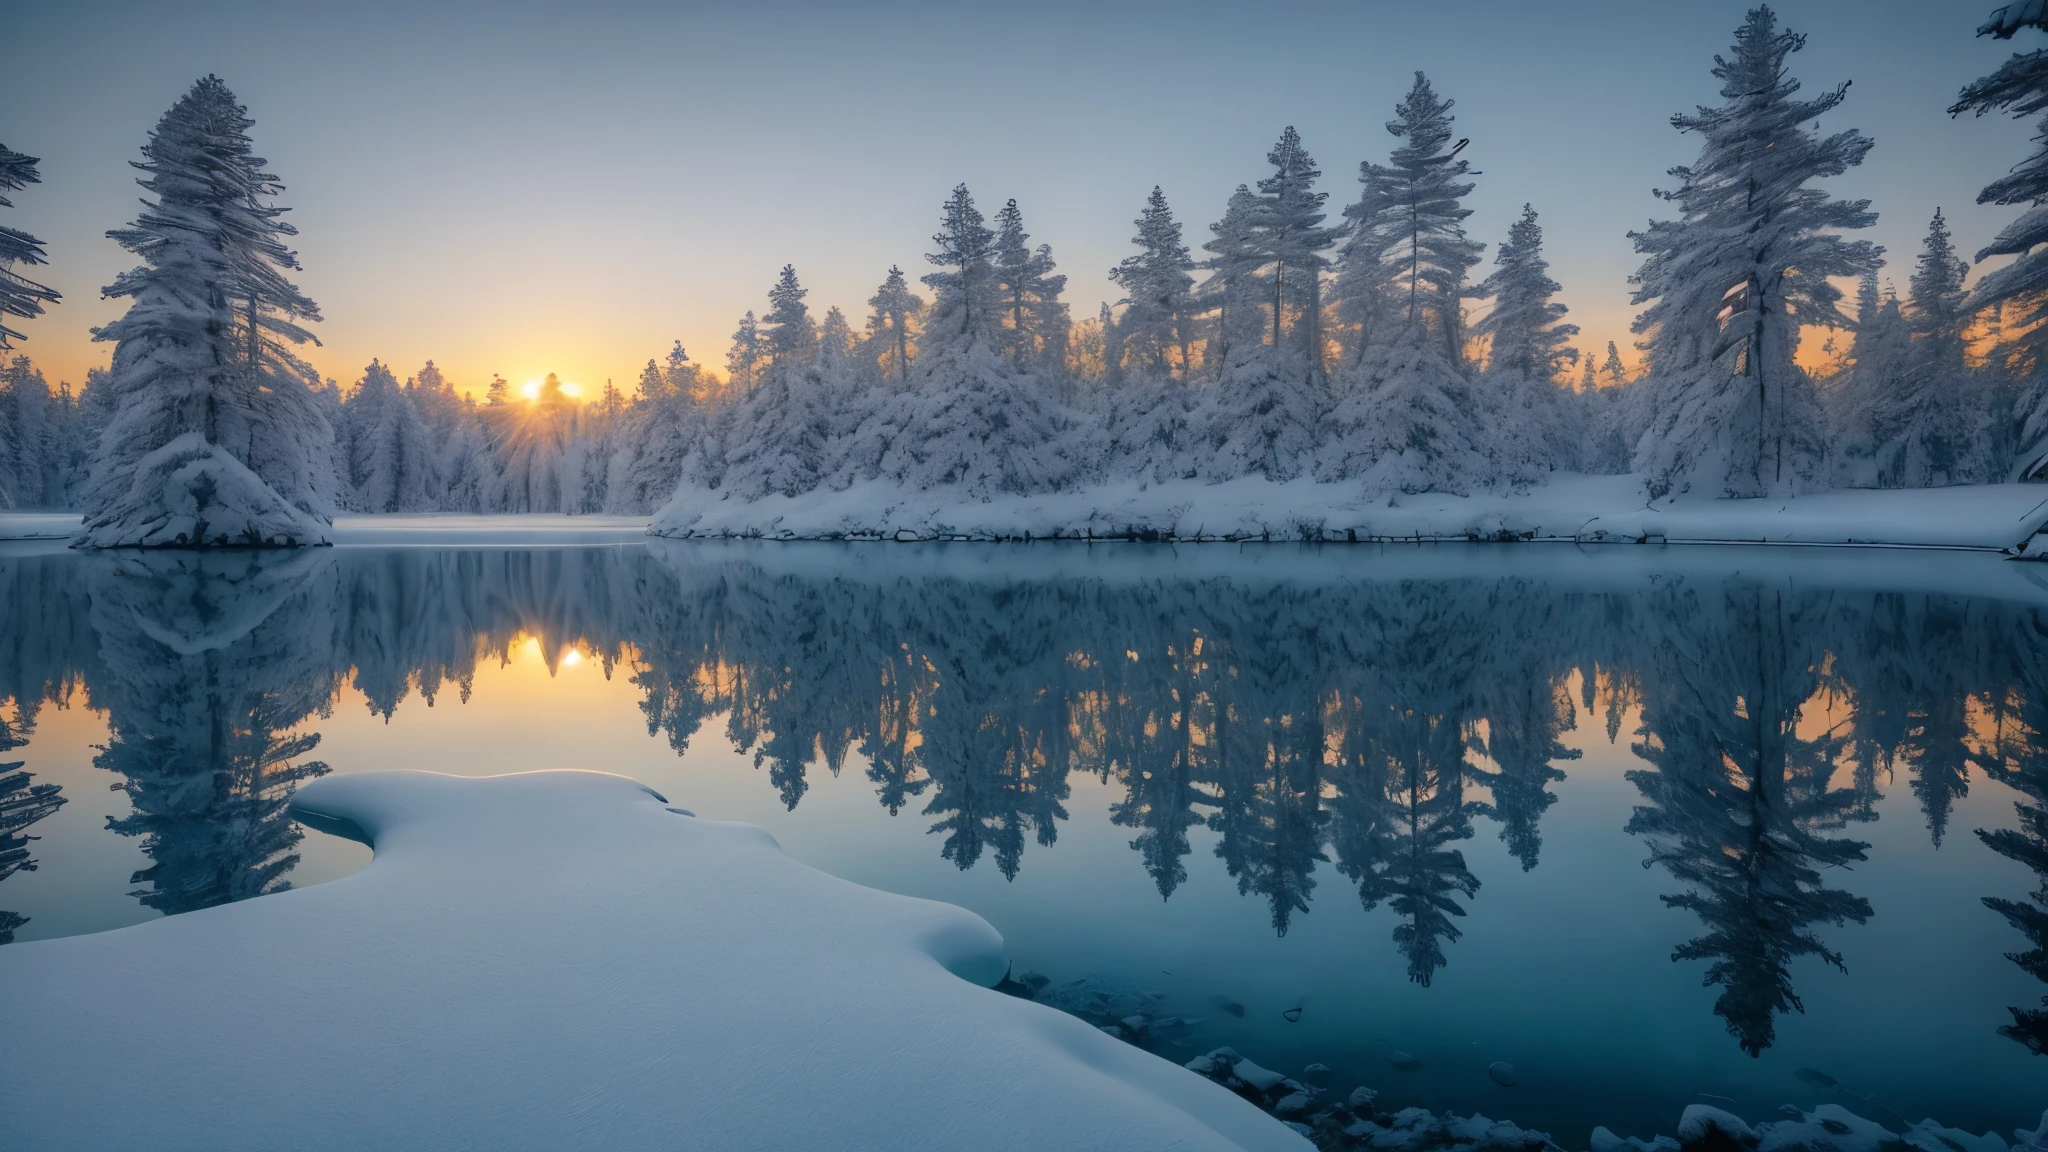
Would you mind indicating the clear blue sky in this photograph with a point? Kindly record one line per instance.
(534, 188)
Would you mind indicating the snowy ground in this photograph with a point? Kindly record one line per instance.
(563, 960)
(1584, 508)
(1588, 509)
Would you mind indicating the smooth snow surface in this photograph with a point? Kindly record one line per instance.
(1569, 507)
(562, 960)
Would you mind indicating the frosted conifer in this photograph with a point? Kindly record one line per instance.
(386, 446)
(1034, 323)
(19, 296)
(1533, 431)
(1612, 368)
(896, 307)
(1157, 306)
(1422, 185)
(791, 338)
(1363, 288)
(970, 417)
(744, 360)
(1924, 428)
(1292, 239)
(1233, 267)
(779, 433)
(1407, 418)
(1526, 326)
(1732, 414)
(207, 445)
(2020, 88)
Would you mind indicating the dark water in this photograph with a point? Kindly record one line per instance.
(1655, 826)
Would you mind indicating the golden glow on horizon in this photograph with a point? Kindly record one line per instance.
(533, 388)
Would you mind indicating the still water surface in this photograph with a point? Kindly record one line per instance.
(1655, 826)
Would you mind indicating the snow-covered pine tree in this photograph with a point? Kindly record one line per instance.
(1265, 412)
(1613, 369)
(36, 439)
(1233, 284)
(1424, 184)
(662, 428)
(387, 449)
(207, 446)
(1925, 429)
(1534, 428)
(835, 336)
(19, 296)
(970, 417)
(1292, 238)
(791, 337)
(1406, 417)
(2020, 88)
(1730, 282)
(1034, 324)
(1362, 291)
(1157, 306)
(896, 309)
(779, 434)
(744, 360)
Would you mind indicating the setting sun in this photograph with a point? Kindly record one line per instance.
(531, 390)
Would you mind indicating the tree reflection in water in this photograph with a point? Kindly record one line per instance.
(1327, 716)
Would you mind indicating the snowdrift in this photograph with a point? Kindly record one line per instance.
(563, 960)
(1570, 507)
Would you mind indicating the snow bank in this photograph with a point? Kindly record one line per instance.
(558, 960)
(1570, 507)
(193, 493)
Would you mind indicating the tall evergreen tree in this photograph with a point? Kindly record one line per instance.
(896, 307)
(1363, 292)
(1530, 349)
(2020, 88)
(386, 447)
(972, 416)
(967, 289)
(1730, 282)
(207, 445)
(1612, 368)
(791, 337)
(1233, 266)
(779, 432)
(19, 296)
(1526, 326)
(1922, 425)
(743, 362)
(1033, 327)
(1423, 184)
(1157, 282)
(1407, 418)
(1292, 238)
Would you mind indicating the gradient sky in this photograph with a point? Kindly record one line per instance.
(532, 188)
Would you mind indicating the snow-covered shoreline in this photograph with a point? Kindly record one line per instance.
(1582, 509)
(1998, 517)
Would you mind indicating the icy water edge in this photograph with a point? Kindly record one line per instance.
(1653, 826)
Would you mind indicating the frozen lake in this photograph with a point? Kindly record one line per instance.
(1655, 826)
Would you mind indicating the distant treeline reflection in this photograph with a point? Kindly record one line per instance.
(1356, 722)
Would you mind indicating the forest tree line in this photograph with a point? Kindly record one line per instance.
(1353, 342)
